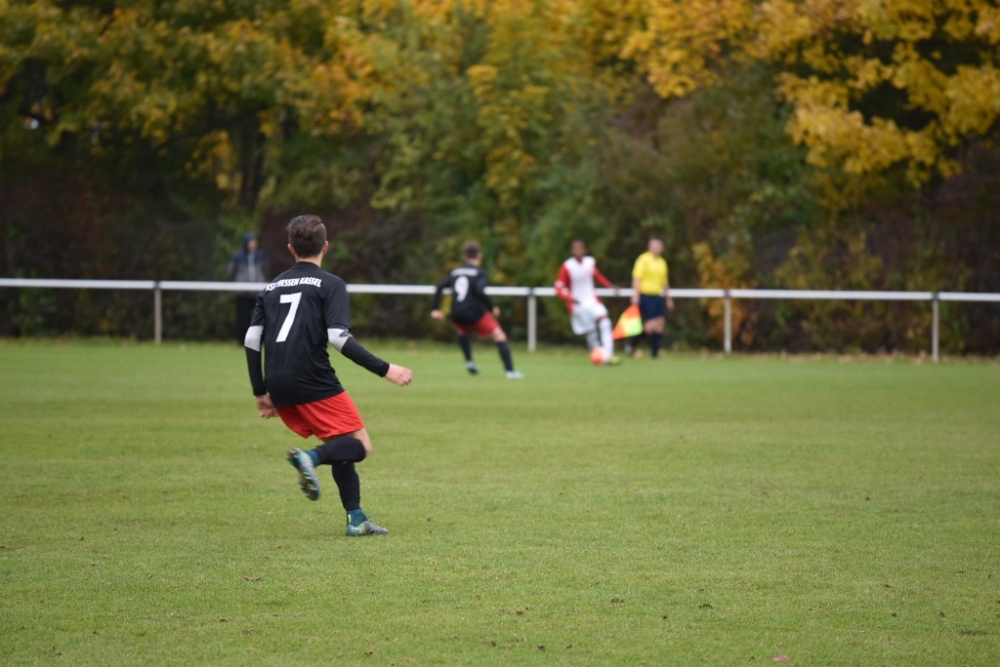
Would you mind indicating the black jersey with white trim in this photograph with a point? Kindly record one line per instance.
(296, 316)
(468, 294)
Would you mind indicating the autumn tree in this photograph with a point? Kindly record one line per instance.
(874, 83)
(193, 90)
(770, 143)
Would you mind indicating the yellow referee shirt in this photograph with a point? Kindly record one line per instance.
(651, 271)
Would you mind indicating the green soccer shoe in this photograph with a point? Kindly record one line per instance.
(307, 473)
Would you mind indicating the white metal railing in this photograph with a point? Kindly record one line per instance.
(531, 294)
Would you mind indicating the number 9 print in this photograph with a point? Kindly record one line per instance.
(461, 288)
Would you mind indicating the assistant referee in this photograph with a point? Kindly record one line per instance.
(651, 292)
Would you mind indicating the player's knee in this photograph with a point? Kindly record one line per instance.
(359, 439)
(499, 336)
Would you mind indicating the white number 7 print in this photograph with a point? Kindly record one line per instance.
(290, 317)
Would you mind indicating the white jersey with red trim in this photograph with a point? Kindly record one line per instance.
(575, 283)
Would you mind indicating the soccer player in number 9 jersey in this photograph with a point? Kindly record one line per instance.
(294, 319)
(472, 310)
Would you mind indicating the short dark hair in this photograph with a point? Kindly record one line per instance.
(471, 250)
(307, 234)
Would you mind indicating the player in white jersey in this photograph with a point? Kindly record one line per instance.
(588, 316)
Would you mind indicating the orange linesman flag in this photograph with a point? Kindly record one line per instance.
(629, 324)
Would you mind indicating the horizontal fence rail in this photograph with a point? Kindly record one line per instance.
(531, 294)
(59, 283)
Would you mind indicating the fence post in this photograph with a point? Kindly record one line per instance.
(532, 320)
(727, 343)
(157, 313)
(935, 326)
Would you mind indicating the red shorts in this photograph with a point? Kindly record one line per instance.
(484, 326)
(331, 416)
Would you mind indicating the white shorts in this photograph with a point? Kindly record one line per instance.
(586, 315)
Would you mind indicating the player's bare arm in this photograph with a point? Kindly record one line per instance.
(437, 314)
(399, 375)
(670, 300)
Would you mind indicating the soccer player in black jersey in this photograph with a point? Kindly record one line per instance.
(294, 319)
(472, 310)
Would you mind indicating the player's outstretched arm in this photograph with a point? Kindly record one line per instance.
(339, 333)
(353, 350)
(438, 291)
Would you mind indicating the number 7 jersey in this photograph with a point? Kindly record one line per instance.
(292, 319)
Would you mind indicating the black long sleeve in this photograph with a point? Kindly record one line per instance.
(481, 292)
(438, 290)
(338, 322)
(252, 343)
(254, 358)
(357, 353)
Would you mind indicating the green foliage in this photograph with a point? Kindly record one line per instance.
(154, 134)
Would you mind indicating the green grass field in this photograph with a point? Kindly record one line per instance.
(680, 512)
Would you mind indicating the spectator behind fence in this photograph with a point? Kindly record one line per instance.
(248, 265)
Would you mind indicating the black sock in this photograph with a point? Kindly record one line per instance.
(344, 449)
(508, 362)
(463, 342)
(349, 485)
(654, 343)
(635, 341)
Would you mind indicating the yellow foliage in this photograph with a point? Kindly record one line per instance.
(930, 65)
(215, 159)
(679, 43)
(713, 272)
(831, 57)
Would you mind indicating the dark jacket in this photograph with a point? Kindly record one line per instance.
(248, 267)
